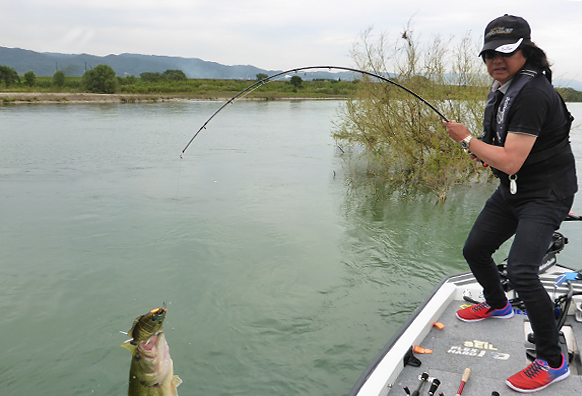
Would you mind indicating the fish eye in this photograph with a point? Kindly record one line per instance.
(137, 357)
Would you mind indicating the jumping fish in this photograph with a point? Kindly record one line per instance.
(152, 368)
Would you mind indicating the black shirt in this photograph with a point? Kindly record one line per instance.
(539, 111)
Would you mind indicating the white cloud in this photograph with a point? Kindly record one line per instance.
(265, 33)
(75, 40)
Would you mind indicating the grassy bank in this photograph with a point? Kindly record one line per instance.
(132, 89)
(193, 89)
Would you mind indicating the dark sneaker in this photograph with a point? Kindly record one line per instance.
(482, 311)
(538, 376)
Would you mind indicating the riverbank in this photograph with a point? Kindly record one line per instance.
(72, 98)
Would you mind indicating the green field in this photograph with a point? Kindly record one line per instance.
(220, 89)
(202, 88)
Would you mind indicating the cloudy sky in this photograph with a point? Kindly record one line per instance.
(274, 34)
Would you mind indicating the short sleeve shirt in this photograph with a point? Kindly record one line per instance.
(539, 111)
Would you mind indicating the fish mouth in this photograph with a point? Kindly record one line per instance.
(159, 314)
(149, 347)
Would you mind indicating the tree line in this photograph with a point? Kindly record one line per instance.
(100, 79)
(570, 94)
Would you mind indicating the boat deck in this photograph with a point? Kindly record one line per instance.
(492, 349)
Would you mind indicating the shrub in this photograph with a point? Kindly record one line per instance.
(59, 79)
(101, 79)
(8, 75)
(30, 78)
(401, 135)
(174, 75)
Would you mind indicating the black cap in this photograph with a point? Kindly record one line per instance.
(505, 34)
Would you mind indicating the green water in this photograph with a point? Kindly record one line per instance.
(281, 277)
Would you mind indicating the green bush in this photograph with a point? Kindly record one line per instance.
(101, 79)
(8, 75)
(30, 78)
(174, 75)
(59, 79)
(402, 137)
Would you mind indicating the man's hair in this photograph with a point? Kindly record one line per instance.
(537, 58)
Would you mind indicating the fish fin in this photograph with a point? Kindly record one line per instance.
(129, 346)
(176, 381)
(130, 332)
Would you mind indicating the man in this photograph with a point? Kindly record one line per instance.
(526, 143)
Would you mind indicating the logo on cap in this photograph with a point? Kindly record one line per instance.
(499, 30)
(509, 48)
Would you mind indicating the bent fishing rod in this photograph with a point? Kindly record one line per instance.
(270, 78)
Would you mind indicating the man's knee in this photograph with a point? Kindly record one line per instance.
(475, 253)
(522, 278)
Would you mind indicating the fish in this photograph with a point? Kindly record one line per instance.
(152, 369)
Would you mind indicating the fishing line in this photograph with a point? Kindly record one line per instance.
(260, 83)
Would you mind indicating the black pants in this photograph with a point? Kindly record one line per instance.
(533, 222)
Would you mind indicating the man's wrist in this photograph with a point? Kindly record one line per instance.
(465, 143)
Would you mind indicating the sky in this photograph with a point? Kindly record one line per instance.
(275, 34)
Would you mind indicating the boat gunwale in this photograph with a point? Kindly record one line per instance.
(399, 333)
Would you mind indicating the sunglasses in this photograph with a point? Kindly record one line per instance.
(489, 55)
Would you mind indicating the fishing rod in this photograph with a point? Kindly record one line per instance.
(268, 79)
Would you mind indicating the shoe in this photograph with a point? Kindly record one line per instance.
(538, 376)
(482, 311)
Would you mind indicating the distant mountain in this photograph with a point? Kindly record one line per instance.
(574, 84)
(44, 64)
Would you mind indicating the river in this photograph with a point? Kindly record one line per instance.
(281, 277)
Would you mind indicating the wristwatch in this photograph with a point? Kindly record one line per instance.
(465, 143)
